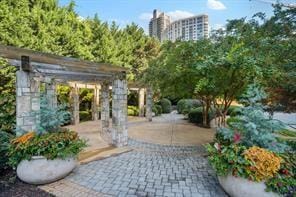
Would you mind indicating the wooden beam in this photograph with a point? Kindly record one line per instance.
(15, 53)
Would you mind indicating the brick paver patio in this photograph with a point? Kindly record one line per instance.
(148, 170)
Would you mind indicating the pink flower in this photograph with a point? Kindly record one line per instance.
(236, 138)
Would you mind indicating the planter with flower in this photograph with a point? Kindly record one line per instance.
(249, 159)
(48, 154)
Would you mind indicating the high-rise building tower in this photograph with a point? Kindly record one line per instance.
(158, 24)
(191, 28)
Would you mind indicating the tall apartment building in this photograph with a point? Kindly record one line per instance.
(191, 28)
(158, 24)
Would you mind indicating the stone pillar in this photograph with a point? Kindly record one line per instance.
(51, 95)
(119, 111)
(149, 104)
(74, 95)
(95, 104)
(27, 102)
(141, 102)
(105, 108)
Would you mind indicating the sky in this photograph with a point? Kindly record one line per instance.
(124, 12)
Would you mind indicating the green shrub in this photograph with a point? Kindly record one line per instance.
(85, 116)
(234, 111)
(166, 105)
(284, 182)
(157, 109)
(185, 105)
(132, 111)
(61, 144)
(195, 115)
(4, 147)
(254, 125)
(7, 96)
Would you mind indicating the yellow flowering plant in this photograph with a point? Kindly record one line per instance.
(265, 164)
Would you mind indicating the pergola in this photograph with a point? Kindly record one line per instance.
(36, 67)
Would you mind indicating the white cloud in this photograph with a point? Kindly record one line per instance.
(179, 14)
(145, 16)
(215, 5)
(218, 26)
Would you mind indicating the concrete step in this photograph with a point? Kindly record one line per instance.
(102, 153)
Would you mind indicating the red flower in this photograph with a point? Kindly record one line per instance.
(285, 171)
(236, 138)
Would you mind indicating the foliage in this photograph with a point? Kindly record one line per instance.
(52, 119)
(166, 105)
(185, 105)
(4, 147)
(284, 182)
(85, 115)
(63, 94)
(227, 159)
(133, 111)
(157, 109)
(195, 115)
(265, 164)
(255, 127)
(61, 144)
(7, 96)
(287, 133)
(234, 110)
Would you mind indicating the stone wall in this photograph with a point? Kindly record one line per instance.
(27, 102)
(149, 103)
(119, 111)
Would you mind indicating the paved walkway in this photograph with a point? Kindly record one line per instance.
(174, 164)
(148, 170)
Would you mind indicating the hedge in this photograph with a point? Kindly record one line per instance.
(157, 109)
(166, 105)
(132, 110)
(185, 105)
(195, 115)
(85, 116)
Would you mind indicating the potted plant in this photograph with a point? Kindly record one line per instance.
(50, 152)
(41, 159)
(248, 157)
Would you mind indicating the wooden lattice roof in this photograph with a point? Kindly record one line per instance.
(60, 67)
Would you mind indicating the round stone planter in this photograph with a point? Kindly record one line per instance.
(240, 187)
(40, 170)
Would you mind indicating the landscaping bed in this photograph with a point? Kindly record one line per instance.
(10, 185)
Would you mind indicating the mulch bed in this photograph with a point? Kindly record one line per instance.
(10, 186)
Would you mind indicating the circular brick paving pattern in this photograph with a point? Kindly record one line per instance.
(151, 170)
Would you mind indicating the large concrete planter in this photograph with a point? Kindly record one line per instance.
(39, 170)
(240, 187)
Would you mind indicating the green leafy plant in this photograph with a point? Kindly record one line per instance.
(166, 105)
(157, 109)
(4, 147)
(195, 115)
(133, 110)
(51, 119)
(61, 144)
(285, 181)
(227, 159)
(7, 96)
(185, 105)
(254, 125)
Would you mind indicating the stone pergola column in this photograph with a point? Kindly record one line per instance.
(51, 95)
(95, 104)
(105, 107)
(74, 96)
(27, 102)
(141, 102)
(149, 104)
(119, 111)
